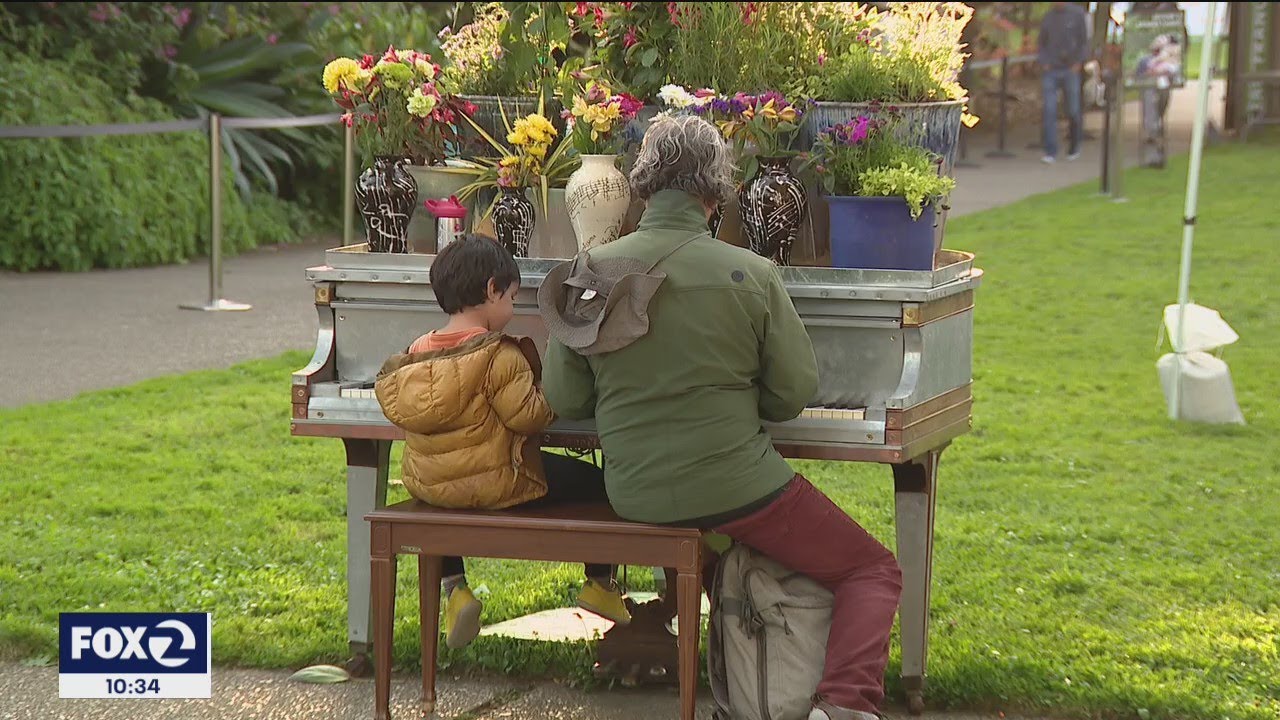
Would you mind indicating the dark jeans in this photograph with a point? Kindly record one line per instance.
(808, 533)
(568, 480)
(1068, 81)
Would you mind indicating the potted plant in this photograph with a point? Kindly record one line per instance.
(597, 194)
(881, 194)
(526, 163)
(496, 60)
(400, 118)
(908, 57)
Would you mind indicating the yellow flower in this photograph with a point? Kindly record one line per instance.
(537, 135)
(788, 115)
(510, 161)
(518, 137)
(339, 72)
(580, 106)
(427, 69)
(538, 151)
(768, 111)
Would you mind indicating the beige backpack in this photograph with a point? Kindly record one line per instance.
(767, 640)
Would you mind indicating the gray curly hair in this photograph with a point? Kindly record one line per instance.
(683, 152)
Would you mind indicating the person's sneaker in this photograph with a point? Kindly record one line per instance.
(1048, 159)
(461, 617)
(604, 601)
(823, 710)
(1074, 156)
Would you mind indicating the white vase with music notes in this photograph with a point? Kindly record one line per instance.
(597, 197)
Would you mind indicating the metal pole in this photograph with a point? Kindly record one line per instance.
(216, 303)
(1105, 175)
(1117, 143)
(1000, 151)
(1189, 210)
(348, 184)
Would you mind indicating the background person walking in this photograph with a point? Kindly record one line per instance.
(1063, 49)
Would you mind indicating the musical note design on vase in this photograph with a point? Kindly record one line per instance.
(386, 194)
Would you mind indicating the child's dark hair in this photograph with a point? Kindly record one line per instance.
(461, 273)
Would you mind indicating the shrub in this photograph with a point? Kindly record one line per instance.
(76, 204)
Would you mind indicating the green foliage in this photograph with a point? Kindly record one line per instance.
(75, 204)
(918, 183)
(633, 45)
(366, 27)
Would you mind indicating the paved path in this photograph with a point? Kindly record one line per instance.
(32, 694)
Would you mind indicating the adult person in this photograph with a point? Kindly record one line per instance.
(1063, 48)
(1157, 71)
(680, 346)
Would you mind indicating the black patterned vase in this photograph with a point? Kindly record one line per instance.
(774, 206)
(513, 220)
(386, 194)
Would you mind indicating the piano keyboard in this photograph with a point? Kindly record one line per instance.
(811, 413)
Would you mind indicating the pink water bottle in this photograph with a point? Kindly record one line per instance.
(451, 220)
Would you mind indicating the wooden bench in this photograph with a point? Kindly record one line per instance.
(587, 533)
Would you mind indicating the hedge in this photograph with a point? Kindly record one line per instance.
(125, 201)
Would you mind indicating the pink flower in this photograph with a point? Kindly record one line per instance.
(628, 106)
(630, 38)
(580, 9)
(334, 10)
(367, 62)
(272, 39)
(599, 13)
(704, 93)
(673, 12)
(347, 119)
(628, 5)
(822, 59)
(595, 93)
(391, 55)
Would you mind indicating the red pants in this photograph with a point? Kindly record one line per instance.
(808, 533)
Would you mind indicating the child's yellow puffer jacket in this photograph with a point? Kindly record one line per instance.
(467, 412)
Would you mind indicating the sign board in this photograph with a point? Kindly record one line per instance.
(1155, 49)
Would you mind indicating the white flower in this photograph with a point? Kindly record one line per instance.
(676, 97)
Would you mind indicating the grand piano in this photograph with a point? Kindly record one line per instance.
(894, 351)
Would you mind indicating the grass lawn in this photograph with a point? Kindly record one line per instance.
(1092, 558)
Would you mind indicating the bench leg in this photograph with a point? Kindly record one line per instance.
(429, 603)
(384, 615)
(688, 598)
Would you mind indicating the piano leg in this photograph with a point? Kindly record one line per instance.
(367, 462)
(915, 487)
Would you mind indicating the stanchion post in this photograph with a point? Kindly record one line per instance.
(1104, 177)
(348, 184)
(216, 302)
(1003, 122)
(962, 151)
(1117, 144)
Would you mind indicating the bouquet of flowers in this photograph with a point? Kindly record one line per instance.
(862, 157)
(597, 116)
(396, 104)
(530, 140)
(767, 121)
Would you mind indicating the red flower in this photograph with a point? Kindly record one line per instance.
(628, 105)
(628, 6)
(749, 11)
(581, 9)
(367, 62)
(599, 13)
(468, 107)
(630, 38)
(673, 12)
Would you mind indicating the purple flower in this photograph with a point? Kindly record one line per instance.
(721, 106)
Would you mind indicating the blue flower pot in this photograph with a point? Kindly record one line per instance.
(878, 233)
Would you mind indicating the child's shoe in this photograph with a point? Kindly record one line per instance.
(604, 601)
(461, 617)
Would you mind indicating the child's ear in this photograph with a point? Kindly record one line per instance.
(491, 291)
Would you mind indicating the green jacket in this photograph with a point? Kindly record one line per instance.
(679, 411)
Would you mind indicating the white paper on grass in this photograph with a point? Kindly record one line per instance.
(1205, 331)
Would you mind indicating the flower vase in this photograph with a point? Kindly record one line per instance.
(597, 197)
(774, 206)
(513, 219)
(386, 194)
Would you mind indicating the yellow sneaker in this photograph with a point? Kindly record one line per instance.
(604, 601)
(461, 617)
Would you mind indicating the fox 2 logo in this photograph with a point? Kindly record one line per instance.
(141, 643)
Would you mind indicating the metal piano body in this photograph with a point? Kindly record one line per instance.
(894, 351)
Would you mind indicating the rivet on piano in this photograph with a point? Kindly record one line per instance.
(853, 293)
(406, 277)
(342, 275)
(375, 276)
(319, 413)
(825, 294)
(342, 317)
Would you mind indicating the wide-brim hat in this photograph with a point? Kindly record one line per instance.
(594, 306)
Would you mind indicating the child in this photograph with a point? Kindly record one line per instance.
(468, 398)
